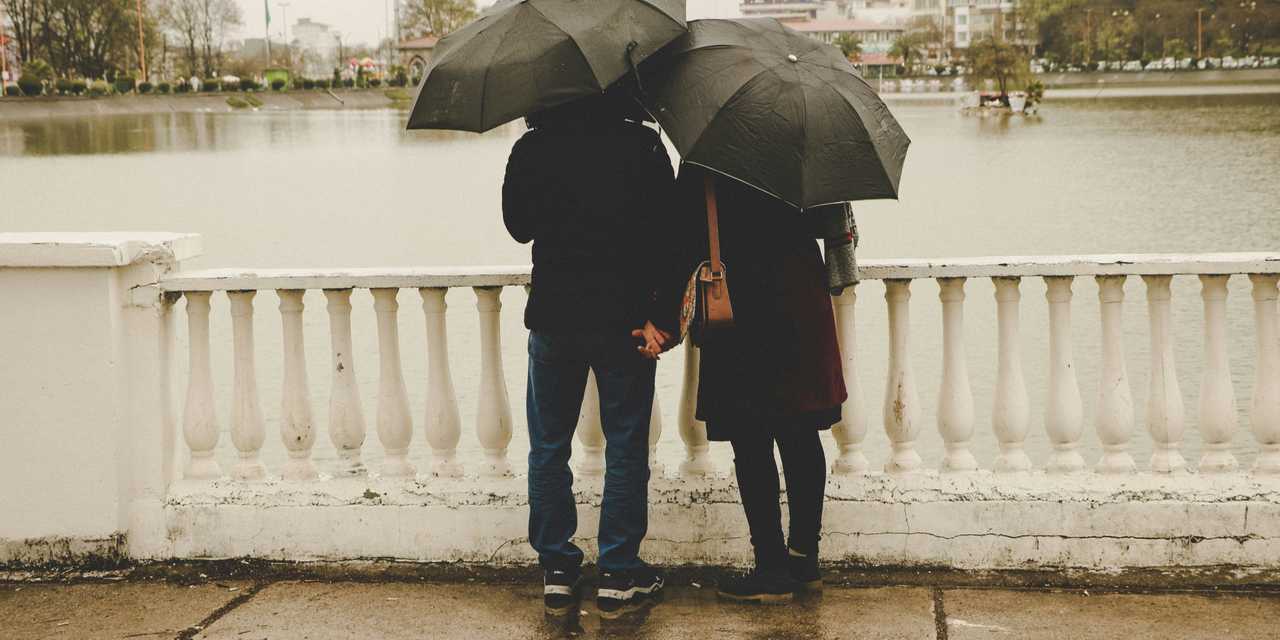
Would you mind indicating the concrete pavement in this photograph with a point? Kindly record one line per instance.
(321, 609)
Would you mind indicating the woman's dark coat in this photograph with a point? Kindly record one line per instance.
(779, 366)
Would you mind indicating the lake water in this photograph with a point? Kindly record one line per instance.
(351, 188)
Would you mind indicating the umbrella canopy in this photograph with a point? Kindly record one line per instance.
(523, 56)
(789, 115)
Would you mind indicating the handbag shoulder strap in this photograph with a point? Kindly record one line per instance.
(713, 226)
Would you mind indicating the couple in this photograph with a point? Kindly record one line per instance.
(615, 239)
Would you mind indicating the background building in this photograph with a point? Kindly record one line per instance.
(875, 37)
(316, 47)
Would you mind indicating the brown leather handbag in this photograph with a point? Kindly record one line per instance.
(706, 305)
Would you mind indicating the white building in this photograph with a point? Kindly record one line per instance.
(875, 37)
(973, 20)
(317, 47)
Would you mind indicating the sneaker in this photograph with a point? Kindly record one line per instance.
(766, 587)
(804, 570)
(623, 591)
(560, 591)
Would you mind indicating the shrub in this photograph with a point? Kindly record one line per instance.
(63, 86)
(401, 77)
(30, 86)
(249, 84)
(125, 84)
(99, 88)
(322, 84)
(12, 90)
(231, 85)
(308, 83)
(181, 87)
(417, 80)
(211, 85)
(145, 87)
(37, 70)
(375, 82)
(79, 86)
(277, 84)
(349, 83)
(163, 88)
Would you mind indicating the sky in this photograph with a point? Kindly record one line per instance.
(366, 20)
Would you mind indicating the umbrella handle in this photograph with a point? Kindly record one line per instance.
(631, 59)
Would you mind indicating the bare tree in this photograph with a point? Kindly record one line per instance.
(182, 19)
(438, 17)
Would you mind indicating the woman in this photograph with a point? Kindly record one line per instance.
(773, 378)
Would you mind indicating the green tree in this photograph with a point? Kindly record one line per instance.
(990, 59)
(907, 48)
(850, 45)
(438, 17)
(38, 70)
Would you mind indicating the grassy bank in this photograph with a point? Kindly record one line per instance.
(223, 102)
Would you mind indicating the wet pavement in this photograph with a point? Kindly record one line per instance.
(315, 609)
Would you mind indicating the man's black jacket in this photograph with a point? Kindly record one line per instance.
(596, 200)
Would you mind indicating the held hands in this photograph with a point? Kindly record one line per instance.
(656, 341)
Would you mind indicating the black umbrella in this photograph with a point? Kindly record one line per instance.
(523, 56)
(758, 102)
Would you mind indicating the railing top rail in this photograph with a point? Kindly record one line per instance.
(878, 269)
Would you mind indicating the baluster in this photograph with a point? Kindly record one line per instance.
(199, 423)
(442, 423)
(901, 407)
(1064, 413)
(297, 430)
(852, 429)
(346, 419)
(395, 424)
(1218, 418)
(655, 433)
(247, 429)
(1115, 400)
(493, 421)
(1011, 411)
(1264, 415)
(590, 431)
(955, 399)
(693, 432)
(1164, 404)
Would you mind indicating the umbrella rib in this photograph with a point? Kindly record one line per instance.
(577, 46)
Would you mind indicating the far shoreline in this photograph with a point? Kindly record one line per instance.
(1059, 86)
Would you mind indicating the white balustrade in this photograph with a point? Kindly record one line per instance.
(1164, 400)
(851, 431)
(955, 398)
(297, 428)
(493, 420)
(1011, 410)
(693, 432)
(901, 404)
(199, 422)
(1264, 414)
(1218, 418)
(655, 434)
(1115, 418)
(442, 423)
(346, 418)
(395, 423)
(247, 429)
(590, 431)
(1064, 411)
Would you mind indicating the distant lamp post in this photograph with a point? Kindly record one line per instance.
(288, 50)
(142, 45)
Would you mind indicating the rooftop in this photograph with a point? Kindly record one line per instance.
(424, 42)
(841, 26)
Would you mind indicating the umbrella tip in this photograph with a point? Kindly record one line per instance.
(792, 57)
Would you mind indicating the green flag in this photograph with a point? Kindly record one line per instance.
(266, 4)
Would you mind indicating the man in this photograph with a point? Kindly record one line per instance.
(587, 185)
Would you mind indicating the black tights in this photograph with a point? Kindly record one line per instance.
(805, 467)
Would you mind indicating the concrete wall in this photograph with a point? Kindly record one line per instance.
(78, 390)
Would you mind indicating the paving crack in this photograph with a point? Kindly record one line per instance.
(939, 615)
(245, 596)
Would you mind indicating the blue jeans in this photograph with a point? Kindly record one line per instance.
(558, 366)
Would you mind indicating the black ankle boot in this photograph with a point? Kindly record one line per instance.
(804, 570)
(761, 585)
